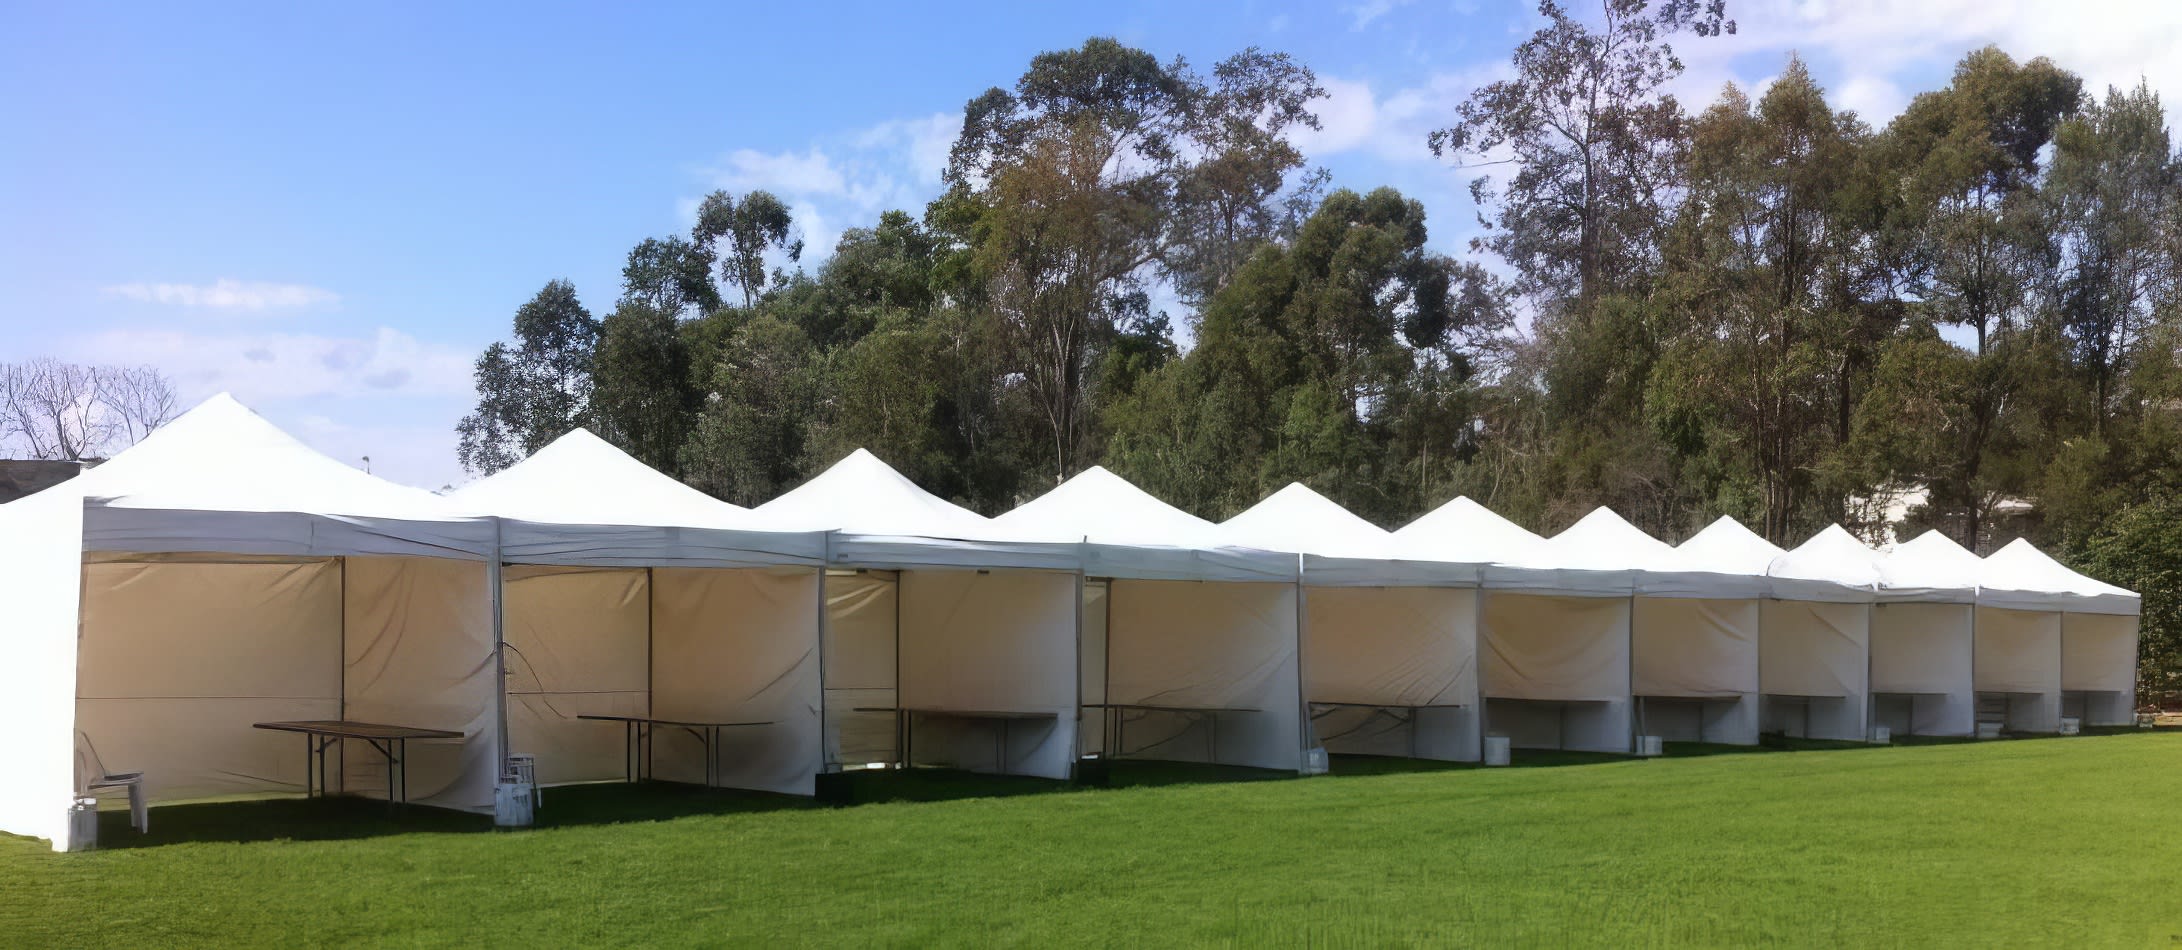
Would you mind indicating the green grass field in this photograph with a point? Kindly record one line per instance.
(2040, 842)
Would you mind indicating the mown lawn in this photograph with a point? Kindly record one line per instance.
(2043, 842)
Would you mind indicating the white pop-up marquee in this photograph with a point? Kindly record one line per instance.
(219, 575)
(1389, 640)
(949, 640)
(2098, 629)
(1695, 632)
(1193, 641)
(627, 593)
(1814, 639)
(1923, 638)
(1553, 631)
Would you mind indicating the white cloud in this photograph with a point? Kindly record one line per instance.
(812, 172)
(274, 366)
(920, 145)
(843, 181)
(1362, 14)
(227, 294)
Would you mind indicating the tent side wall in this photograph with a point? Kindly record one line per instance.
(1394, 647)
(1218, 644)
(739, 645)
(862, 608)
(1921, 678)
(2018, 655)
(578, 644)
(420, 652)
(995, 642)
(2099, 660)
(1702, 654)
(1813, 658)
(1556, 670)
(41, 577)
(179, 658)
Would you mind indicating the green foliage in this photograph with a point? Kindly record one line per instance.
(739, 231)
(531, 393)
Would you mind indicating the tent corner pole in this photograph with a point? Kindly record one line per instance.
(825, 557)
(494, 580)
(1303, 702)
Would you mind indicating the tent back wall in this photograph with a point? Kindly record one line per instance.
(420, 653)
(1197, 643)
(734, 646)
(178, 659)
(1003, 641)
(1812, 648)
(2018, 651)
(861, 609)
(1397, 646)
(1555, 648)
(2098, 653)
(577, 645)
(1920, 648)
(1686, 647)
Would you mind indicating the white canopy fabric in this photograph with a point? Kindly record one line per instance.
(635, 594)
(1338, 548)
(1463, 531)
(1832, 567)
(1930, 568)
(163, 602)
(882, 519)
(1726, 559)
(1127, 533)
(581, 501)
(2022, 577)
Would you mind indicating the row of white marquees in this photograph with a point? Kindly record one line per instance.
(601, 621)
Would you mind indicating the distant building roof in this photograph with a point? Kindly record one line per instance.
(20, 477)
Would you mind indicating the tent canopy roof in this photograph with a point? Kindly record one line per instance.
(1930, 562)
(1103, 508)
(1602, 541)
(221, 456)
(1299, 520)
(862, 495)
(1726, 547)
(1832, 561)
(1467, 532)
(2021, 575)
(582, 479)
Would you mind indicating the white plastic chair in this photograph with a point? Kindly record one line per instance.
(139, 813)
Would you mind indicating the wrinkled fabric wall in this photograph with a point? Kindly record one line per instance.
(1213, 644)
(1688, 647)
(178, 659)
(2018, 653)
(1090, 734)
(420, 653)
(738, 645)
(41, 579)
(1813, 668)
(1396, 646)
(861, 609)
(2098, 653)
(1924, 649)
(578, 644)
(1559, 668)
(1003, 641)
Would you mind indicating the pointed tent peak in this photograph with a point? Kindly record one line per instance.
(1297, 519)
(1602, 541)
(1934, 545)
(1931, 561)
(1726, 546)
(222, 455)
(581, 478)
(1602, 524)
(2020, 566)
(1834, 556)
(863, 495)
(1464, 531)
(1102, 507)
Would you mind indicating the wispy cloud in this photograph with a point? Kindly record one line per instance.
(1362, 14)
(227, 294)
(844, 179)
(384, 362)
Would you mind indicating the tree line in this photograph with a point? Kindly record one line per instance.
(1765, 307)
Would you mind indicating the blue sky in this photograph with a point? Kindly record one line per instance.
(329, 210)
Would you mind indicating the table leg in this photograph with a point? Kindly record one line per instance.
(310, 749)
(401, 754)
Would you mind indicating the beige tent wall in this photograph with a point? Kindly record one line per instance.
(2099, 660)
(738, 645)
(1923, 651)
(861, 609)
(1090, 734)
(577, 645)
(1694, 667)
(2018, 655)
(1813, 665)
(1211, 644)
(178, 658)
(1396, 647)
(1000, 641)
(419, 652)
(1556, 670)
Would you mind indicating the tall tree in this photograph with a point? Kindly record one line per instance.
(532, 392)
(670, 275)
(739, 232)
(640, 398)
(1066, 193)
